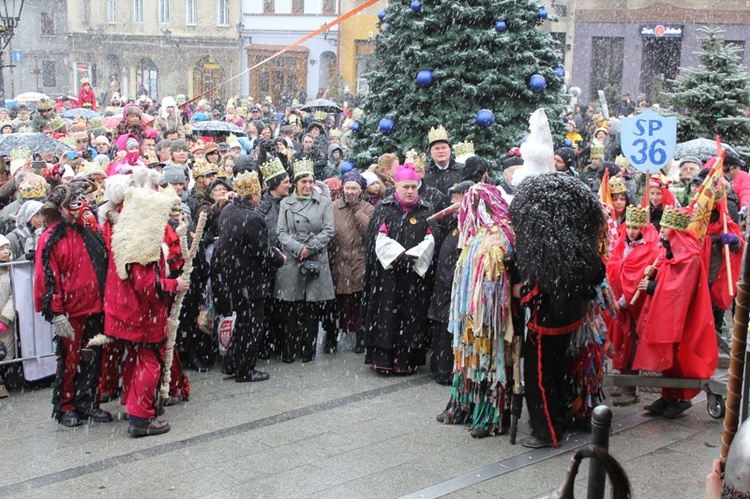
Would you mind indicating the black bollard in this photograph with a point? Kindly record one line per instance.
(601, 424)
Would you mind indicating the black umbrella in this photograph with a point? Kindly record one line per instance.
(212, 128)
(321, 105)
(80, 111)
(37, 143)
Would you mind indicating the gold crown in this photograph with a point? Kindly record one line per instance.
(33, 188)
(188, 129)
(169, 191)
(231, 138)
(69, 140)
(271, 169)
(197, 146)
(44, 104)
(418, 160)
(303, 167)
(617, 186)
(334, 133)
(57, 123)
(636, 216)
(95, 123)
(20, 154)
(88, 168)
(438, 133)
(222, 173)
(464, 149)
(151, 158)
(25, 129)
(675, 219)
(79, 120)
(597, 151)
(202, 167)
(320, 115)
(246, 183)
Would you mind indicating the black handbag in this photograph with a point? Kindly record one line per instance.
(310, 268)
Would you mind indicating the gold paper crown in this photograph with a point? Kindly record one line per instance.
(222, 174)
(20, 154)
(675, 219)
(25, 129)
(202, 167)
(303, 167)
(418, 160)
(231, 138)
(438, 133)
(246, 183)
(33, 188)
(334, 133)
(272, 169)
(69, 140)
(188, 129)
(636, 216)
(44, 104)
(169, 191)
(597, 151)
(151, 158)
(89, 168)
(95, 123)
(57, 123)
(197, 146)
(320, 115)
(617, 186)
(464, 149)
(79, 120)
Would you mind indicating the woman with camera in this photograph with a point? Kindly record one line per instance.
(304, 283)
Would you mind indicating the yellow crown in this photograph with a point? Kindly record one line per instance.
(169, 191)
(271, 169)
(69, 140)
(151, 158)
(246, 183)
(197, 146)
(57, 123)
(320, 115)
(33, 188)
(617, 186)
(20, 154)
(231, 138)
(25, 129)
(463, 150)
(675, 219)
(418, 160)
(597, 151)
(334, 133)
(303, 167)
(89, 168)
(202, 167)
(95, 123)
(222, 174)
(636, 216)
(438, 133)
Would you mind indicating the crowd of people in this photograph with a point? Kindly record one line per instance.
(418, 253)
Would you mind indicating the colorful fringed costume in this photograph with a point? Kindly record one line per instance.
(480, 315)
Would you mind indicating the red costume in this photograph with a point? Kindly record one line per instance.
(624, 272)
(720, 296)
(86, 95)
(676, 328)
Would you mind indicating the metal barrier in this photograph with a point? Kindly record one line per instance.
(34, 346)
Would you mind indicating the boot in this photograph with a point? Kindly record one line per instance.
(360, 345)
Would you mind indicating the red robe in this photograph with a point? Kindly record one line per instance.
(720, 296)
(87, 96)
(623, 275)
(676, 329)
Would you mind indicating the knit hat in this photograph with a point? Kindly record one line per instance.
(568, 155)
(4, 241)
(370, 178)
(691, 159)
(354, 176)
(101, 139)
(475, 168)
(173, 174)
(131, 143)
(334, 185)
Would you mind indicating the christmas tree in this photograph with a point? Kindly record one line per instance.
(711, 99)
(477, 67)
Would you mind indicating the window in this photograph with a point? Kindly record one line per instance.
(222, 17)
(191, 12)
(48, 23)
(138, 11)
(163, 11)
(329, 6)
(48, 74)
(298, 6)
(609, 54)
(111, 11)
(269, 7)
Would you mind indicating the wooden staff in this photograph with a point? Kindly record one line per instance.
(737, 360)
(638, 291)
(727, 260)
(174, 316)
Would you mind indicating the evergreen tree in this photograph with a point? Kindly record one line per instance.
(476, 62)
(711, 98)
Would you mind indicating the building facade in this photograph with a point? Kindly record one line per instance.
(157, 47)
(637, 46)
(270, 25)
(38, 52)
(358, 43)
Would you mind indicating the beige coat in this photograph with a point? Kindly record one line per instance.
(7, 313)
(347, 249)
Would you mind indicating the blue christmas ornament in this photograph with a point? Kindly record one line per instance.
(567, 143)
(559, 71)
(387, 27)
(542, 14)
(355, 127)
(485, 118)
(386, 126)
(347, 166)
(416, 6)
(381, 15)
(425, 78)
(501, 26)
(537, 83)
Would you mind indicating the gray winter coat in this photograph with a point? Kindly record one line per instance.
(305, 223)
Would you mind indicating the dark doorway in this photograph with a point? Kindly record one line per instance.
(660, 65)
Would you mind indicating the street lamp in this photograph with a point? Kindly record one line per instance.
(10, 14)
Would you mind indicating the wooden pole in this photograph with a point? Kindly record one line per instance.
(638, 292)
(727, 260)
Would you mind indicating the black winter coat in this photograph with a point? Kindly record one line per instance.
(445, 267)
(443, 180)
(243, 253)
(269, 207)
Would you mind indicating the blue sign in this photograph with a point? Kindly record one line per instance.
(17, 56)
(649, 140)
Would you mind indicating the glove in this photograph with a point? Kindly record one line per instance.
(729, 239)
(3, 327)
(62, 326)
